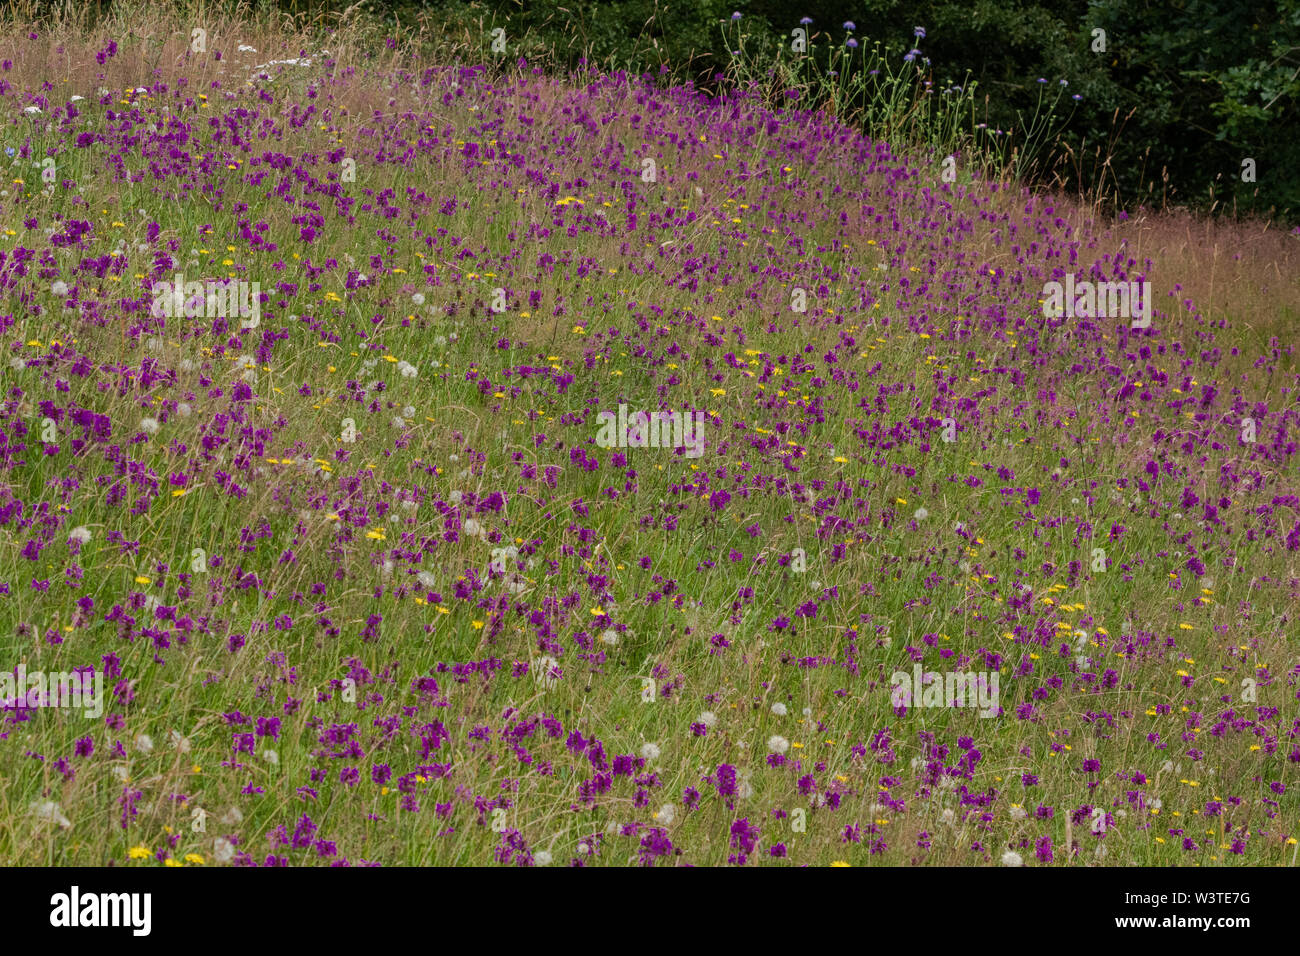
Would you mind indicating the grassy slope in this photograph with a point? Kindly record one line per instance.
(824, 428)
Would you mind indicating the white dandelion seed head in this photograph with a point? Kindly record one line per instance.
(583, 848)
(610, 637)
(80, 533)
(184, 410)
(779, 709)
(1012, 858)
(418, 298)
(708, 718)
(920, 514)
(666, 814)
(59, 288)
(777, 744)
(948, 817)
(223, 851)
(149, 426)
(1018, 813)
(807, 711)
(408, 411)
(50, 812)
(144, 743)
(271, 757)
(541, 858)
(455, 497)
(426, 579)
(649, 751)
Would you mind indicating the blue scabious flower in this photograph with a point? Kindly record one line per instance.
(852, 44)
(849, 25)
(918, 32)
(805, 21)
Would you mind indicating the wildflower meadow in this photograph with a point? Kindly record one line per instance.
(450, 461)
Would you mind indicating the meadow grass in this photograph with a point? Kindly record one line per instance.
(292, 576)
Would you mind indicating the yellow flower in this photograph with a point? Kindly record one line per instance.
(139, 853)
(142, 580)
(840, 863)
(194, 858)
